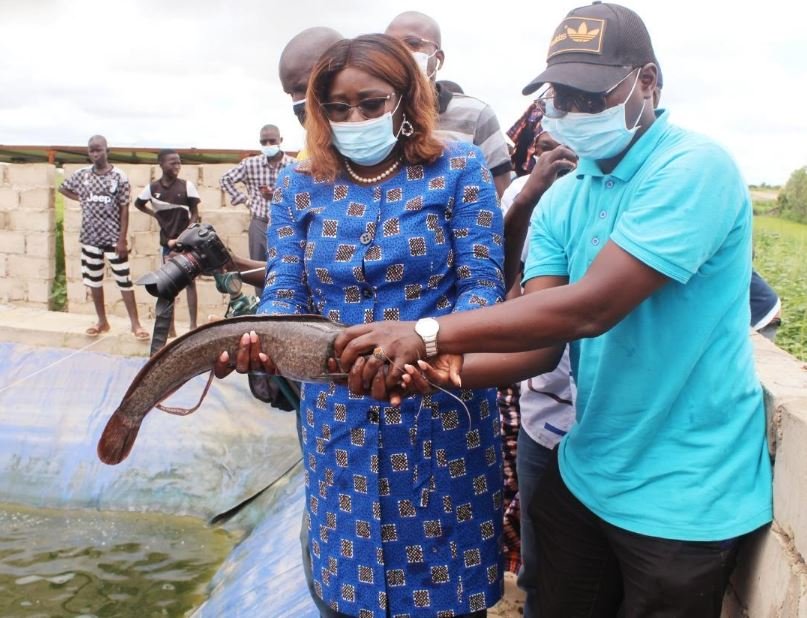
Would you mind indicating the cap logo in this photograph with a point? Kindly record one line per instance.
(576, 34)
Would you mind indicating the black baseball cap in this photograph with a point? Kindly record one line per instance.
(594, 48)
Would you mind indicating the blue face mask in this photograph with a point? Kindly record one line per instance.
(592, 136)
(367, 142)
(271, 150)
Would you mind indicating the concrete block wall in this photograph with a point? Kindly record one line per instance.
(230, 222)
(771, 576)
(27, 234)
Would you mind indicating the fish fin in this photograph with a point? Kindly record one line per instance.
(117, 440)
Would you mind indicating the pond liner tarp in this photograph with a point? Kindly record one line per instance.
(54, 404)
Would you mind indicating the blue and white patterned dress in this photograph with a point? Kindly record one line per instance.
(404, 503)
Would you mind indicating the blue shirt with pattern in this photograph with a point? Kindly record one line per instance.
(404, 503)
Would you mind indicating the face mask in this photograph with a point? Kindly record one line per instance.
(593, 136)
(298, 107)
(422, 60)
(271, 150)
(366, 142)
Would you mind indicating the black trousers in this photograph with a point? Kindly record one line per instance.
(590, 568)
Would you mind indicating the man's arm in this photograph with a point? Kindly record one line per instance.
(69, 194)
(517, 218)
(228, 180)
(501, 182)
(124, 194)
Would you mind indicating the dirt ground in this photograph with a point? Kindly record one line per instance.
(512, 604)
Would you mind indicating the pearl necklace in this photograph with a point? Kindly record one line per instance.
(381, 176)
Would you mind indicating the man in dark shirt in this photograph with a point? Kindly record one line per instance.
(175, 205)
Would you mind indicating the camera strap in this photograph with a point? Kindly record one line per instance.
(162, 323)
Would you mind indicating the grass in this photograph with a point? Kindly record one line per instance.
(58, 293)
(780, 248)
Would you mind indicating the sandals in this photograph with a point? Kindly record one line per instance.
(95, 330)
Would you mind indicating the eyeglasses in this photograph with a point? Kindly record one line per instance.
(560, 100)
(415, 43)
(371, 107)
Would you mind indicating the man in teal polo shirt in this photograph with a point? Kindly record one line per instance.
(642, 259)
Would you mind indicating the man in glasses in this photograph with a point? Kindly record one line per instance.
(258, 175)
(298, 59)
(641, 258)
(461, 117)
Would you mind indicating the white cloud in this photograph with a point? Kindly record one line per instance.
(204, 73)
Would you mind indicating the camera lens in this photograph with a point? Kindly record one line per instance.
(172, 277)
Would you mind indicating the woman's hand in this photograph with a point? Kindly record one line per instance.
(395, 343)
(248, 358)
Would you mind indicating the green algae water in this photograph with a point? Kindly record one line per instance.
(98, 564)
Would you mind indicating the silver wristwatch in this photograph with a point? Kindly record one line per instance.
(427, 328)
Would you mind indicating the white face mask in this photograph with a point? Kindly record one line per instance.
(593, 136)
(366, 142)
(271, 150)
(422, 59)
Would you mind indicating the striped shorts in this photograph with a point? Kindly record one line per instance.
(92, 267)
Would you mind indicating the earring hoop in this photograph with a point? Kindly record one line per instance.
(406, 128)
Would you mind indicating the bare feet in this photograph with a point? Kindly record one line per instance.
(140, 333)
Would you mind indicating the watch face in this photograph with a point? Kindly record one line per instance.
(427, 327)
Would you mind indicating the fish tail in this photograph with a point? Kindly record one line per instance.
(117, 440)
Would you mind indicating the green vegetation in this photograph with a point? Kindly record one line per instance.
(58, 294)
(780, 248)
(792, 201)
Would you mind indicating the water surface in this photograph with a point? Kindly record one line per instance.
(88, 563)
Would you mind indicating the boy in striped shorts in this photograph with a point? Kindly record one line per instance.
(103, 194)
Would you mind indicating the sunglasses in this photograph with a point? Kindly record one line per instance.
(563, 99)
(371, 107)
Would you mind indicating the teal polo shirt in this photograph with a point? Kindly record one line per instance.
(670, 434)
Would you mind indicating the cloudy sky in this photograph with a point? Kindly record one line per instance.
(203, 73)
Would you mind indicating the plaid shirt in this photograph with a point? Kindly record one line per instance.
(254, 172)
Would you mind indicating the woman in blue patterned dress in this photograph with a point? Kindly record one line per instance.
(385, 222)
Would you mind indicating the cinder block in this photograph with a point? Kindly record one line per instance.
(139, 175)
(238, 244)
(71, 168)
(3, 265)
(766, 577)
(3, 173)
(212, 173)
(72, 246)
(24, 268)
(78, 295)
(11, 290)
(141, 265)
(40, 244)
(72, 219)
(228, 222)
(72, 269)
(12, 242)
(141, 222)
(31, 175)
(191, 173)
(39, 291)
(211, 200)
(9, 198)
(790, 476)
(144, 244)
(5, 220)
(36, 199)
(32, 220)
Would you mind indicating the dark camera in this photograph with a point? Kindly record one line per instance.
(200, 251)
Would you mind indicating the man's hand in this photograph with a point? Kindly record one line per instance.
(547, 168)
(122, 249)
(266, 192)
(443, 371)
(248, 358)
(394, 342)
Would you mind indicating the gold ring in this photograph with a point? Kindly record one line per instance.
(379, 353)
